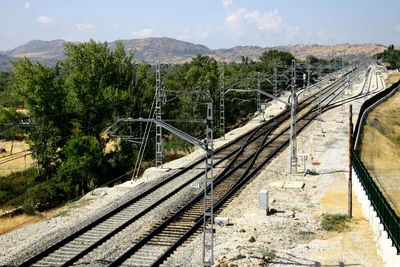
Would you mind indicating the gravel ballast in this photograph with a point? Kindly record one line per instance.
(293, 234)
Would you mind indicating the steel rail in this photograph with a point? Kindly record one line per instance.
(81, 231)
(115, 211)
(217, 181)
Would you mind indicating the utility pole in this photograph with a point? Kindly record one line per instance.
(258, 93)
(275, 85)
(308, 74)
(208, 218)
(293, 132)
(222, 104)
(350, 186)
(159, 141)
(319, 102)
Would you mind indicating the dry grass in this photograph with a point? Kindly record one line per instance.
(380, 148)
(19, 162)
(394, 76)
(175, 154)
(17, 222)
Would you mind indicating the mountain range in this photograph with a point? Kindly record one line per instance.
(168, 50)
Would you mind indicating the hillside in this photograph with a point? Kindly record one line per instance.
(39, 50)
(380, 145)
(168, 50)
(5, 63)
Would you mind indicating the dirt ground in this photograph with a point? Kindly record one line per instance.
(393, 77)
(14, 159)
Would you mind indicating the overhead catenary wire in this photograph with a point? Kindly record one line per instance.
(50, 180)
(37, 148)
(91, 108)
(67, 202)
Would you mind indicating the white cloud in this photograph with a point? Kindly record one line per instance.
(45, 20)
(226, 3)
(397, 27)
(143, 33)
(291, 32)
(27, 5)
(330, 37)
(190, 35)
(242, 21)
(84, 27)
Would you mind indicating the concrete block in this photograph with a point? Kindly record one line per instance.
(221, 220)
(263, 200)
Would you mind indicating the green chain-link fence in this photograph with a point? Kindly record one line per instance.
(389, 219)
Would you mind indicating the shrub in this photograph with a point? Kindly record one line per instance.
(335, 222)
(269, 254)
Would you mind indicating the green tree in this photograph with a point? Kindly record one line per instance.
(45, 98)
(97, 80)
(267, 59)
(81, 167)
(10, 116)
(390, 55)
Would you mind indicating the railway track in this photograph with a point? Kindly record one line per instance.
(243, 157)
(154, 248)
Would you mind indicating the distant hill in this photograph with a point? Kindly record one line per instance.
(39, 50)
(168, 50)
(5, 63)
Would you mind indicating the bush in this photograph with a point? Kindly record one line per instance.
(15, 184)
(268, 254)
(28, 207)
(335, 222)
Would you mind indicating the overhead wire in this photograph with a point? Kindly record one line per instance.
(37, 148)
(67, 202)
(50, 180)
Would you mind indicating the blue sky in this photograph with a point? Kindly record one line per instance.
(216, 24)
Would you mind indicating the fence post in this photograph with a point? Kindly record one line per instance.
(350, 161)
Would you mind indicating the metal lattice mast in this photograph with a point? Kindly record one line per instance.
(308, 74)
(275, 85)
(319, 102)
(159, 141)
(293, 131)
(208, 219)
(258, 93)
(222, 104)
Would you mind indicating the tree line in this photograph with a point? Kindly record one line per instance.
(74, 102)
(390, 55)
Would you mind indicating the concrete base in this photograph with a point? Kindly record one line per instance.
(263, 200)
(384, 244)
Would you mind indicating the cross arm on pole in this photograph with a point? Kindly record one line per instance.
(173, 130)
(261, 92)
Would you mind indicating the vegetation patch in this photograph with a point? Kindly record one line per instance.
(335, 222)
(269, 254)
(306, 233)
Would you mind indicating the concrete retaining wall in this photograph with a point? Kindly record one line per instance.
(384, 244)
